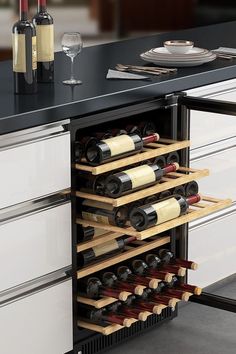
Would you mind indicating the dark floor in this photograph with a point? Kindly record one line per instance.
(197, 330)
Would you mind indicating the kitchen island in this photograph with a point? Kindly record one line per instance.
(37, 158)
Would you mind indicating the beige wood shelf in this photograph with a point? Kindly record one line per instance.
(98, 304)
(207, 206)
(106, 331)
(164, 146)
(130, 253)
(182, 176)
(98, 241)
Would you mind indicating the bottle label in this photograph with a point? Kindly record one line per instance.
(94, 217)
(34, 53)
(120, 144)
(19, 53)
(167, 210)
(141, 175)
(45, 43)
(105, 248)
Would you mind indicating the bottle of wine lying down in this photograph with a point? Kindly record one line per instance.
(120, 146)
(167, 257)
(136, 178)
(110, 280)
(147, 216)
(88, 233)
(154, 262)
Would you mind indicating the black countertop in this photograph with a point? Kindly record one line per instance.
(57, 102)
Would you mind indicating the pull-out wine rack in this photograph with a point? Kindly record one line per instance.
(92, 338)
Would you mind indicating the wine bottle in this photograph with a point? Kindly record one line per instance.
(144, 302)
(125, 274)
(173, 157)
(88, 233)
(92, 288)
(145, 217)
(159, 296)
(167, 257)
(139, 267)
(180, 190)
(165, 194)
(104, 250)
(186, 287)
(104, 213)
(101, 316)
(151, 199)
(45, 43)
(136, 178)
(24, 53)
(191, 188)
(110, 280)
(128, 310)
(160, 161)
(120, 146)
(89, 183)
(154, 262)
(143, 128)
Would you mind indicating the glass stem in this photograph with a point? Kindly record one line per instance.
(72, 68)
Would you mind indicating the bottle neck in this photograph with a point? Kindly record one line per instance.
(24, 8)
(42, 5)
(150, 138)
(193, 199)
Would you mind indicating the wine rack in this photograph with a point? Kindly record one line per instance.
(162, 147)
(173, 179)
(106, 330)
(98, 304)
(129, 253)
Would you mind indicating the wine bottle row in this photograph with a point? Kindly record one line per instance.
(141, 217)
(33, 49)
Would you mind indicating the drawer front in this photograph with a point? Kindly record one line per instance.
(40, 323)
(208, 128)
(222, 166)
(33, 170)
(213, 246)
(35, 245)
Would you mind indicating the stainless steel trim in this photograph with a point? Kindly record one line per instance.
(35, 286)
(22, 210)
(213, 89)
(28, 136)
(214, 218)
(213, 152)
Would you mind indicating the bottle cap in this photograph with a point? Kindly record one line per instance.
(153, 284)
(139, 290)
(168, 277)
(123, 296)
(128, 322)
(181, 272)
(197, 291)
(143, 316)
(194, 266)
(185, 296)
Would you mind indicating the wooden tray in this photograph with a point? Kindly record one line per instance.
(164, 146)
(182, 176)
(98, 304)
(130, 253)
(207, 206)
(98, 241)
(106, 330)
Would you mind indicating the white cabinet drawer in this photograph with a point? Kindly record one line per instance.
(35, 245)
(212, 245)
(222, 166)
(208, 128)
(38, 324)
(34, 169)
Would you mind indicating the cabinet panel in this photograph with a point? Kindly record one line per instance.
(40, 323)
(35, 169)
(35, 245)
(212, 245)
(222, 166)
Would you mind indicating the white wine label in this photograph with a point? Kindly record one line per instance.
(120, 144)
(34, 53)
(45, 42)
(167, 210)
(19, 53)
(141, 175)
(97, 218)
(105, 248)
(99, 232)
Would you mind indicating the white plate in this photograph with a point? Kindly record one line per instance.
(154, 58)
(194, 51)
(183, 63)
(179, 57)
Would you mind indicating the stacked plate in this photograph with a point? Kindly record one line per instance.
(194, 57)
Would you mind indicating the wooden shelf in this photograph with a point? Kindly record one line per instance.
(182, 176)
(130, 253)
(98, 304)
(98, 241)
(106, 330)
(164, 146)
(208, 205)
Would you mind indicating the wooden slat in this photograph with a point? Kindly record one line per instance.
(96, 328)
(216, 204)
(122, 257)
(144, 155)
(98, 304)
(160, 187)
(98, 241)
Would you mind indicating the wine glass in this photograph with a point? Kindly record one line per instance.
(72, 45)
